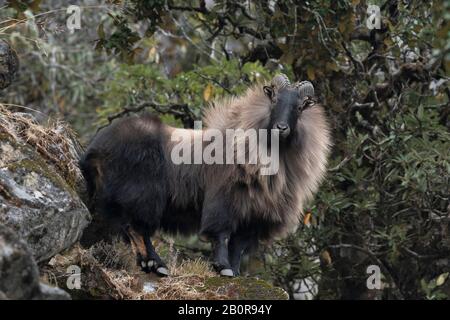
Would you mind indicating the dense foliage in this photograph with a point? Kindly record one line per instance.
(385, 201)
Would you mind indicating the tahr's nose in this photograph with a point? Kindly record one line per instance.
(283, 128)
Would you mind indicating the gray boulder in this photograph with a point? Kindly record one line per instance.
(41, 212)
(19, 274)
(39, 183)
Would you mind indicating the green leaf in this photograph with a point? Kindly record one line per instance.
(441, 279)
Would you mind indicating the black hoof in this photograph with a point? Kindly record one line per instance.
(162, 271)
(226, 273)
(223, 269)
(155, 267)
(158, 268)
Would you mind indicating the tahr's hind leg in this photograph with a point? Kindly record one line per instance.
(220, 255)
(137, 245)
(146, 256)
(154, 261)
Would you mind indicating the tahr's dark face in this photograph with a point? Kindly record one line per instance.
(287, 105)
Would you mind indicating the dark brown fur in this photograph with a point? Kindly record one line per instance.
(131, 177)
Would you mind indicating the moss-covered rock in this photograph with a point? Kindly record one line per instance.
(245, 288)
(37, 200)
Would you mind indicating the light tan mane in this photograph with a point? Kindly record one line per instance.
(281, 197)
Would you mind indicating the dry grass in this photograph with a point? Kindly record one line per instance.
(112, 270)
(197, 267)
(107, 270)
(56, 142)
(115, 255)
(187, 281)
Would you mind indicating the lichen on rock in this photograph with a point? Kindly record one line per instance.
(19, 275)
(39, 184)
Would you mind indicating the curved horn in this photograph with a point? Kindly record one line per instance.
(305, 88)
(280, 81)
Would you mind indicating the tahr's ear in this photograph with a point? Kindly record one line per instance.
(268, 91)
(306, 103)
(306, 94)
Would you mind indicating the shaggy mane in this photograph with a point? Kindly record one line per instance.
(249, 111)
(282, 197)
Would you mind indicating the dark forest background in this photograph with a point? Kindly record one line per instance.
(385, 201)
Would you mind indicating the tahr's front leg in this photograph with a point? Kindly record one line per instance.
(237, 246)
(216, 226)
(220, 255)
